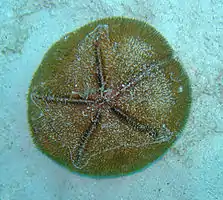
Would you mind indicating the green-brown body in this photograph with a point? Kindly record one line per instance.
(109, 98)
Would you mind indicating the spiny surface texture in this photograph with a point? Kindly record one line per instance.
(108, 98)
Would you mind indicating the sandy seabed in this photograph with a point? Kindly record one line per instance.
(191, 169)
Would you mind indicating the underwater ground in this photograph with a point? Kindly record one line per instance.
(193, 166)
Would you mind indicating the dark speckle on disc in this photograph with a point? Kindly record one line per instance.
(109, 98)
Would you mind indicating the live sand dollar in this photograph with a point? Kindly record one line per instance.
(108, 98)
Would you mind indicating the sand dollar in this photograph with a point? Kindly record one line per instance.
(108, 98)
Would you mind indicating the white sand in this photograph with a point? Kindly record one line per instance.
(192, 168)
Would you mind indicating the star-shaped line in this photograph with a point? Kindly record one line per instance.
(104, 99)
